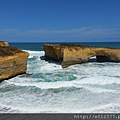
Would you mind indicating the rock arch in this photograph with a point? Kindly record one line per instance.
(68, 54)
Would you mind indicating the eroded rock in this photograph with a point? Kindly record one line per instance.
(2, 43)
(13, 61)
(68, 54)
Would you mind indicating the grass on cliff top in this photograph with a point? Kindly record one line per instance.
(71, 45)
(83, 46)
(8, 51)
(74, 46)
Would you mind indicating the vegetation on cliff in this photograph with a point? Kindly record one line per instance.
(8, 51)
(13, 61)
(70, 54)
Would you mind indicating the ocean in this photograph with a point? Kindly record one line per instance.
(91, 87)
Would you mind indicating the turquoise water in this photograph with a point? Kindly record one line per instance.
(48, 88)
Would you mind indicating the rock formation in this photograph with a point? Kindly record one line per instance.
(68, 54)
(13, 61)
(2, 43)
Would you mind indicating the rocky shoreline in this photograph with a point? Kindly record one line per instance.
(13, 61)
(70, 54)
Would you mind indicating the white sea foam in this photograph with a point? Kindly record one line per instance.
(49, 67)
(108, 108)
(8, 109)
(90, 87)
(35, 53)
(111, 108)
(101, 80)
(63, 84)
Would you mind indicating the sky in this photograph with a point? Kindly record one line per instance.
(60, 20)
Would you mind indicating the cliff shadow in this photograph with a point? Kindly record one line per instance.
(50, 60)
(42, 57)
(100, 58)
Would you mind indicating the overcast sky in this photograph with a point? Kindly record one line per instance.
(60, 20)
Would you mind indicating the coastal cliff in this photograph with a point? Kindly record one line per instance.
(13, 61)
(68, 54)
(3, 43)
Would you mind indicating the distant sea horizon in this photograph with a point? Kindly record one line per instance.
(22, 45)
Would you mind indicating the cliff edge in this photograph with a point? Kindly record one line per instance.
(13, 61)
(68, 54)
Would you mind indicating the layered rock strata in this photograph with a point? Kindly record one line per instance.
(68, 54)
(13, 61)
(2, 43)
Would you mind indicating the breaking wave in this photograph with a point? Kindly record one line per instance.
(48, 88)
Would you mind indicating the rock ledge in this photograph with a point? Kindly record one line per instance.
(13, 61)
(70, 54)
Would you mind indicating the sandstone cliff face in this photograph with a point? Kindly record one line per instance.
(76, 54)
(2, 43)
(13, 61)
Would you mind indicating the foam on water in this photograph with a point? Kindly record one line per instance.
(61, 84)
(89, 87)
(34, 53)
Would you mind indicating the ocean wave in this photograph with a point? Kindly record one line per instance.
(108, 108)
(8, 109)
(35, 53)
(89, 87)
(66, 97)
(67, 84)
(105, 108)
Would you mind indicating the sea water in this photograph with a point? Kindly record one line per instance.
(90, 87)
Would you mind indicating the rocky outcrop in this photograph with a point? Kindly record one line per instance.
(13, 61)
(68, 54)
(2, 43)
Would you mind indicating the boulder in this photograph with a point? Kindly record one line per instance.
(70, 54)
(13, 61)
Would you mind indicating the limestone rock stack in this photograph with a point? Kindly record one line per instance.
(68, 54)
(13, 61)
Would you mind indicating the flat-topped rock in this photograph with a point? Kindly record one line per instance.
(2, 43)
(13, 61)
(70, 54)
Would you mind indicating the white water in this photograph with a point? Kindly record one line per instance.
(86, 88)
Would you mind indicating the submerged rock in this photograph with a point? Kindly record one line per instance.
(13, 61)
(69, 54)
